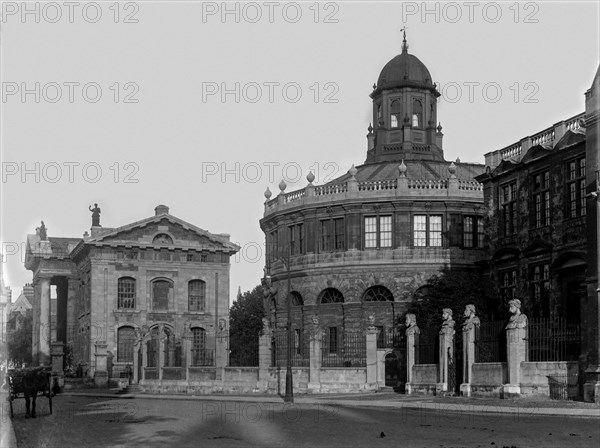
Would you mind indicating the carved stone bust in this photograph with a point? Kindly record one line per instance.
(448, 322)
(371, 322)
(411, 324)
(266, 330)
(517, 319)
(471, 320)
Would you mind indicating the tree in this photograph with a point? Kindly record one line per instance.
(245, 326)
(20, 341)
(454, 290)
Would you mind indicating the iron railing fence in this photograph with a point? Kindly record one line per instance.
(551, 339)
(243, 350)
(300, 349)
(564, 386)
(427, 344)
(203, 357)
(490, 342)
(390, 338)
(347, 350)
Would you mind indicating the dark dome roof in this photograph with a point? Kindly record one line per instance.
(405, 70)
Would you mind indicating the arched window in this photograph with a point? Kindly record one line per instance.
(172, 354)
(162, 294)
(395, 114)
(125, 343)
(331, 295)
(200, 355)
(162, 238)
(378, 293)
(296, 299)
(379, 116)
(417, 117)
(152, 348)
(126, 293)
(196, 295)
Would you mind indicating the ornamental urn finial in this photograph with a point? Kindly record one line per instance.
(310, 177)
(352, 171)
(282, 185)
(402, 169)
(452, 169)
(268, 193)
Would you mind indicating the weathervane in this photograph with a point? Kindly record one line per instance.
(404, 44)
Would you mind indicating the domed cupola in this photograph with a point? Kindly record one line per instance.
(405, 70)
(404, 112)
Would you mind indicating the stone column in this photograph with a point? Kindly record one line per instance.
(136, 361)
(411, 330)
(316, 337)
(101, 371)
(446, 349)
(264, 357)
(160, 346)
(187, 350)
(221, 353)
(371, 356)
(44, 329)
(144, 358)
(57, 363)
(468, 349)
(516, 348)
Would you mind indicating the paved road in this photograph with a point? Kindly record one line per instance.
(97, 422)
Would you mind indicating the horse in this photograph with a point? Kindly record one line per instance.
(30, 382)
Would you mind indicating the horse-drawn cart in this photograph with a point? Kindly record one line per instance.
(28, 383)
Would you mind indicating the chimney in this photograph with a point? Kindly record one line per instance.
(161, 210)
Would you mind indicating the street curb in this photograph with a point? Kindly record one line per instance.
(416, 405)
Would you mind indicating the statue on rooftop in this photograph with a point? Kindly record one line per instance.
(95, 215)
(42, 231)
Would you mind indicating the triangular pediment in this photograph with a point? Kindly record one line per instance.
(504, 166)
(164, 231)
(570, 138)
(506, 254)
(538, 247)
(536, 152)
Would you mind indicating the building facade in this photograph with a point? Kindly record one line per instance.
(541, 215)
(124, 298)
(356, 249)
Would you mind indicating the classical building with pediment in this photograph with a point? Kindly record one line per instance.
(125, 299)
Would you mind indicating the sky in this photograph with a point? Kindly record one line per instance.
(203, 105)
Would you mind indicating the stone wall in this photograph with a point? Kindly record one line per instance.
(488, 379)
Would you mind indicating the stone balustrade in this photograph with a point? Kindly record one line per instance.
(547, 137)
(387, 188)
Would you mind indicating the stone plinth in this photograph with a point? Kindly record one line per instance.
(57, 351)
(410, 358)
(101, 370)
(468, 349)
(371, 356)
(516, 352)
(446, 351)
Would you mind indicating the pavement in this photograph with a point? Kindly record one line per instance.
(391, 400)
(523, 407)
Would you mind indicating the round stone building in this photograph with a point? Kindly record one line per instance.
(356, 250)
